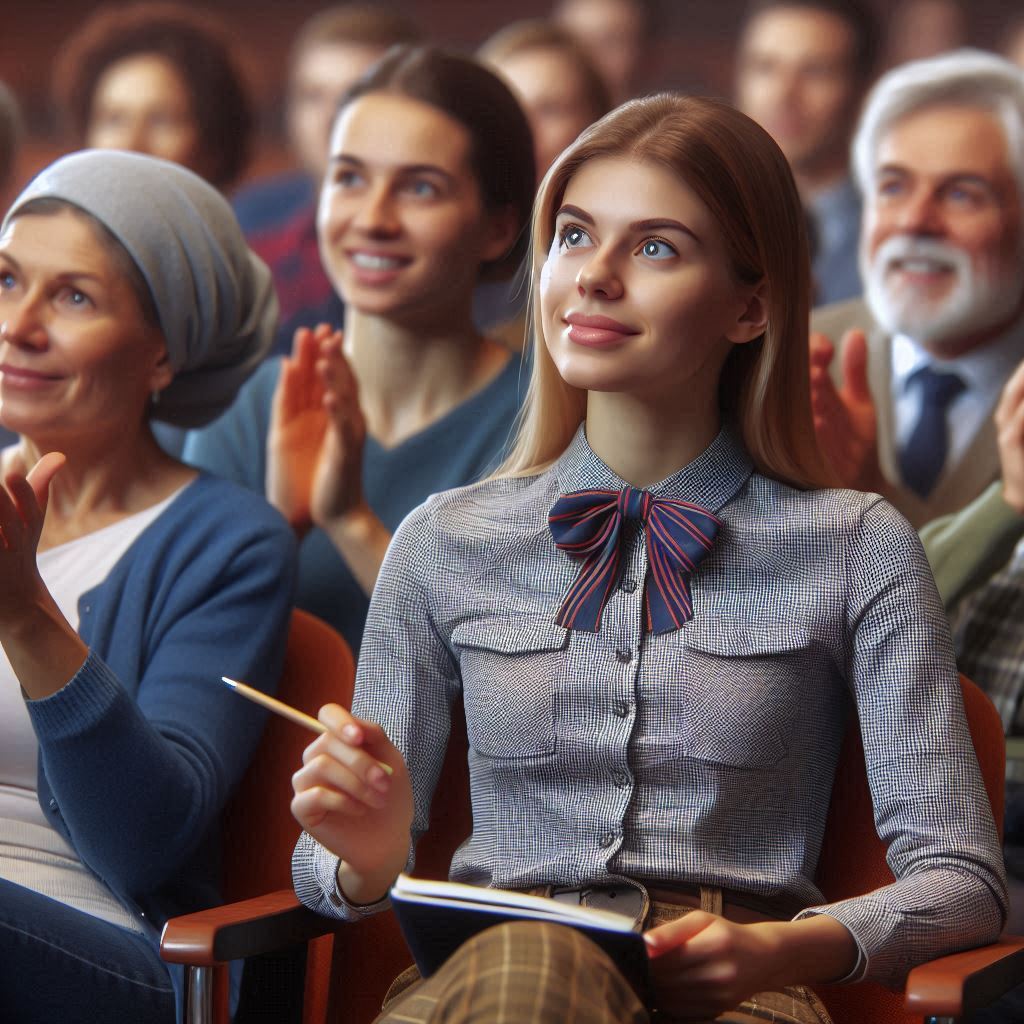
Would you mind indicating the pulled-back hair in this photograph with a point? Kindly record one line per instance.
(740, 174)
(501, 145)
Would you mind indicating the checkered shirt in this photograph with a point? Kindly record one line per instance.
(988, 631)
(701, 756)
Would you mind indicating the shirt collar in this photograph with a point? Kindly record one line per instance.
(710, 480)
(984, 369)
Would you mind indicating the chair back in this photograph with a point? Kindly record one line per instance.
(852, 858)
(318, 669)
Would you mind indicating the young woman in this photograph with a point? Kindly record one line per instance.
(428, 191)
(658, 631)
(126, 293)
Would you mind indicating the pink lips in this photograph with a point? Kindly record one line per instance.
(597, 331)
(29, 380)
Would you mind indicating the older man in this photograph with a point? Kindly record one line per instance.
(802, 70)
(939, 156)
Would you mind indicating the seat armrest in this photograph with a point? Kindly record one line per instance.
(961, 983)
(246, 928)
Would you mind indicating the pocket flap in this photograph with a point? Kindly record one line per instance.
(510, 635)
(733, 637)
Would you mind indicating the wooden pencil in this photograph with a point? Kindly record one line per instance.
(284, 710)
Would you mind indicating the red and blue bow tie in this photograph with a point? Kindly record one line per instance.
(587, 525)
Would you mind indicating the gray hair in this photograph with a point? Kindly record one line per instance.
(965, 77)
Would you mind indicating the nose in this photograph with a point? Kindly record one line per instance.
(22, 325)
(598, 277)
(377, 215)
(920, 214)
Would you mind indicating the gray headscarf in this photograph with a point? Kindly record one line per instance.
(214, 297)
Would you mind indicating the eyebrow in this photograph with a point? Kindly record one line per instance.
(64, 275)
(345, 158)
(971, 177)
(654, 224)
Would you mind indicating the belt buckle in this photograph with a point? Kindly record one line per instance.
(627, 900)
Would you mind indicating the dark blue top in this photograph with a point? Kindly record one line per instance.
(458, 449)
(141, 748)
(267, 203)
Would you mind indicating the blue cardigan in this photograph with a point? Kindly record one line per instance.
(142, 747)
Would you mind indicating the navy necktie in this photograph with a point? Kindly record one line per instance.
(923, 456)
(588, 525)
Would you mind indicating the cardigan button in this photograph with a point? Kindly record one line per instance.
(53, 804)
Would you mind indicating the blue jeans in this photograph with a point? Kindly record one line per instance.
(58, 964)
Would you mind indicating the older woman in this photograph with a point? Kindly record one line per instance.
(130, 582)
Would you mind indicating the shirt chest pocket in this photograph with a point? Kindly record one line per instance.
(741, 691)
(510, 675)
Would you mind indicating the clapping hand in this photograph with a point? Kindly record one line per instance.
(845, 418)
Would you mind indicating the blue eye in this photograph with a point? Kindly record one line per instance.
(7, 281)
(347, 178)
(573, 237)
(658, 249)
(74, 298)
(423, 189)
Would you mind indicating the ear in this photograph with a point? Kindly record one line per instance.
(753, 319)
(163, 372)
(501, 231)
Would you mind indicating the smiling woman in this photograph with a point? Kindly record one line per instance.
(129, 582)
(658, 628)
(427, 192)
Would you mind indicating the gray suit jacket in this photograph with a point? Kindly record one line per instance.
(960, 482)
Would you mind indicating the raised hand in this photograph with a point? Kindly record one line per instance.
(338, 482)
(298, 425)
(351, 806)
(23, 500)
(1010, 434)
(845, 418)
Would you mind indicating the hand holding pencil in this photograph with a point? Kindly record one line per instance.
(353, 795)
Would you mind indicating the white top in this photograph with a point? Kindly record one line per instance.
(32, 853)
(983, 370)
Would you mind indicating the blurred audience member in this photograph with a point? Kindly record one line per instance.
(1014, 46)
(939, 156)
(278, 215)
(159, 79)
(429, 191)
(803, 68)
(614, 33)
(10, 139)
(919, 29)
(554, 79)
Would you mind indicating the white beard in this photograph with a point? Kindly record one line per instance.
(978, 299)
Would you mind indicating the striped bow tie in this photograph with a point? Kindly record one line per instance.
(588, 524)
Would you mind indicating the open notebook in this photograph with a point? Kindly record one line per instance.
(437, 917)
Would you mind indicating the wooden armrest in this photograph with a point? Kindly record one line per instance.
(246, 928)
(959, 984)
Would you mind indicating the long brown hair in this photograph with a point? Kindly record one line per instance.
(740, 174)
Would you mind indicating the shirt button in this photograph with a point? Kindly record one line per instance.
(628, 585)
(624, 654)
(608, 839)
(621, 708)
(621, 779)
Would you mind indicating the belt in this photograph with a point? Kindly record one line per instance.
(634, 901)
